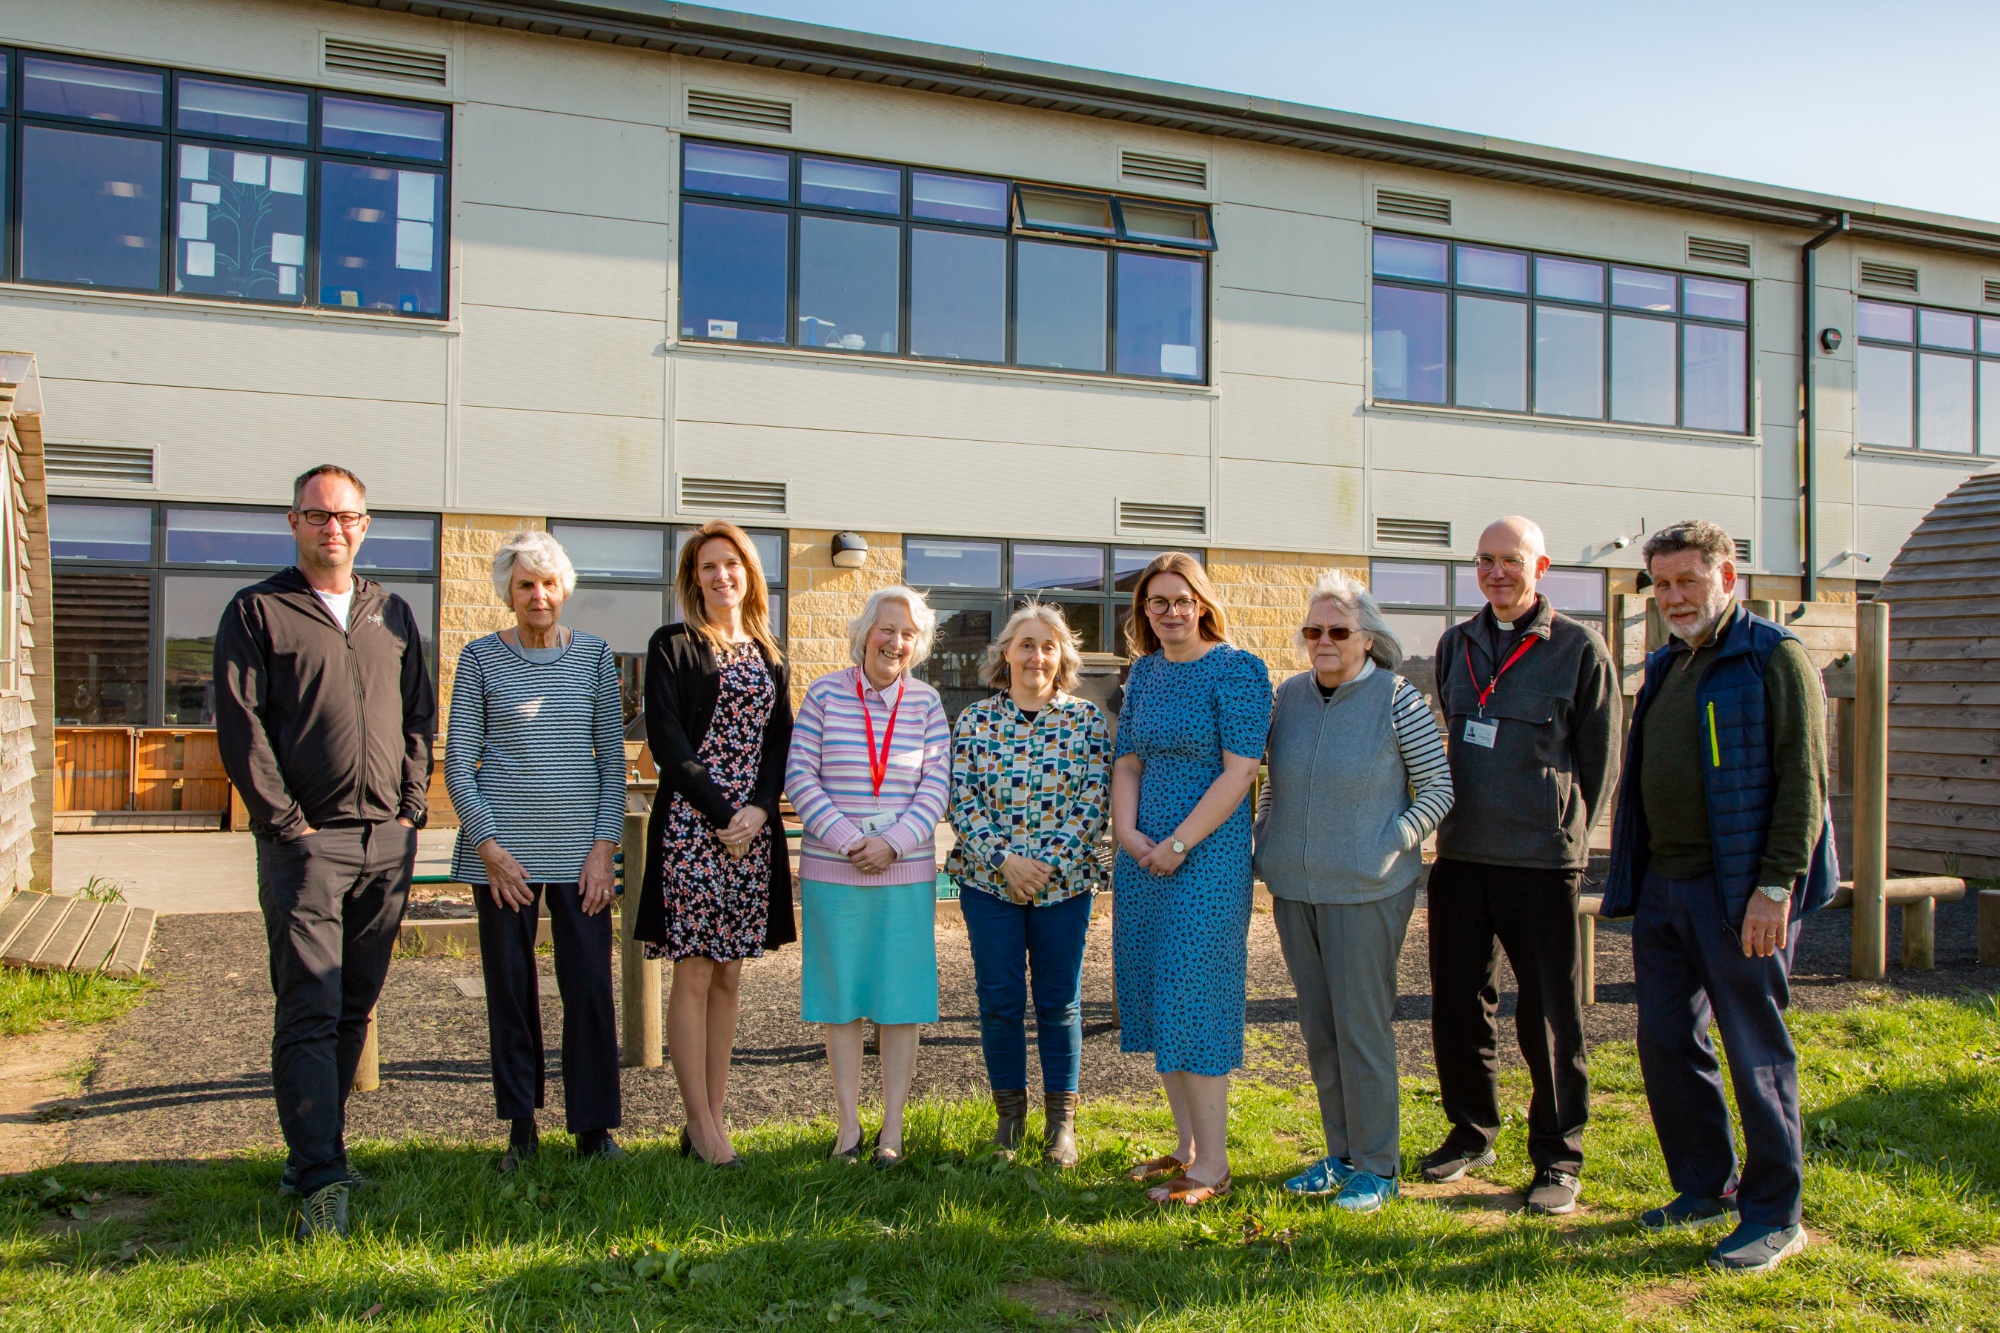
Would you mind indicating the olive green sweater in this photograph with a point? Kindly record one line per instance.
(1670, 766)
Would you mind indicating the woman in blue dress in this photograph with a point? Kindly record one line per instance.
(1190, 738)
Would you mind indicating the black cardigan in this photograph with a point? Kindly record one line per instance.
(683, 684)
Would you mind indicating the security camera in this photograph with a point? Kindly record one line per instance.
(1620, 543)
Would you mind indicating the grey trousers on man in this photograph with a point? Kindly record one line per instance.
(1342, 958)
(332, 901)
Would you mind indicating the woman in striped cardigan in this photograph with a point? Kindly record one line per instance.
(536, 771)
(869, 774)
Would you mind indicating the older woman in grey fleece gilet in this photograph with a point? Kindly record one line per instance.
(1358, 779)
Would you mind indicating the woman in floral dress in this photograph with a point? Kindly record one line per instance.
(718, 885)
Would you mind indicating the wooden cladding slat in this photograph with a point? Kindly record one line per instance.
(148, 768)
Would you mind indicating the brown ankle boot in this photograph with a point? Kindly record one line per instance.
(1012, 1103)
(1060, 1133)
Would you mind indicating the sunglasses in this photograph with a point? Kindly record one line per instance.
(1338, 633)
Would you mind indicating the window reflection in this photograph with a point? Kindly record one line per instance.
(739, 171)
(829, 184)
(1036, 565)
(1886, 384)
(1408, 345)
(90, 208)
(103, 632)
(100, 532)
(1569, 362)
(1891, 323)
(396, 542)
(1642, 370)
(1059, 306)
(964, 199)
(1160, 316)
(1641, 289)
(1496, 270)
(733, 273)
(1407, 257)
(1713, 378)
(239, 224)
(229, 537)
(618, 553)
(1944, 392)
(240, 111)
(194, 606)
(1715, 298)
(381, 245)
(1568, 280)
(936, 563)
(1492, 365)
(625, 618)
(1944, 328)
(354, 126)
(958, 295)
(92, 92)
(849, 278)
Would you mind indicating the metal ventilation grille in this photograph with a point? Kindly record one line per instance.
(1167, 170)
(733, 496)
(1145, 516)
(1413, 532)
(1743, 551)
(373, 60)
(1711, 250)
(757, 113)
(1888, 275)
(99, 464)
(1993, 289)
(1422, 207)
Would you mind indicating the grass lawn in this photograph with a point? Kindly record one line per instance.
(30, 1000)
(1902, 1105)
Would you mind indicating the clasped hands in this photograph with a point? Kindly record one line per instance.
(1158, 858)
(742, 829)
(507, 880)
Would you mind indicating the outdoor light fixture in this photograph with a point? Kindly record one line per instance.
(850, 550)
(1830, 339)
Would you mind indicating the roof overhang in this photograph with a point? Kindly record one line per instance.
(715, 34)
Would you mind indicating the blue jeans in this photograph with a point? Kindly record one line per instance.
(1009, 942)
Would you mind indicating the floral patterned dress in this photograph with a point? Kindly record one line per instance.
(716, 903)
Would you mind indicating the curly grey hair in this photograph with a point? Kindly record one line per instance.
(537, 553)
(1351, 595)
(996, 674)
(921, 616)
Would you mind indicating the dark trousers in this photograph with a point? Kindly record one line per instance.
(332, 902)
(1013, 945)
(1690, 969)
(514, 1006)
(1475, 911)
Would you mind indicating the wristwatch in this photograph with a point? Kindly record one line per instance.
(1180, 848)
(1777, 893)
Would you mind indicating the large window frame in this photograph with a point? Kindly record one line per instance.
(1462, 600)
(1456, 288)
(158, 570)
(16, 121)
(1116, 238)
(1875, 333)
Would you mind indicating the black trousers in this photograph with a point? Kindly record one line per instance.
(332, 903)
(514, 1006)
(1475, 911)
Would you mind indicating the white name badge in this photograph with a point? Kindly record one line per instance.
(1481, 732)
(881, 822)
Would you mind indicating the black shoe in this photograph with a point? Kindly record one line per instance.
(606, 1151)
(1754, 1249)
(514, 1159)
(1449, 1163)
(1553, 1193)
(1688, 1210)
(687, 1144)
(848, 1155)
(885, 1159)
(288, 1183)
(324, 1213)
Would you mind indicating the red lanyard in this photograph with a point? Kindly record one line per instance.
(878, 768)
(1513, 657)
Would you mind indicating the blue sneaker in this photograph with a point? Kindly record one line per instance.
(1325, 1176)
(1364, 1193)
(1757, 1249)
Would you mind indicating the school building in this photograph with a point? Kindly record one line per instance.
(985, 325)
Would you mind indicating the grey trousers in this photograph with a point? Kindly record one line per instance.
(1342, 958)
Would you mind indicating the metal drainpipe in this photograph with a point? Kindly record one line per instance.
(1809, 463)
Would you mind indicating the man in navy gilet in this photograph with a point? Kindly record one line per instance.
(1722, 842)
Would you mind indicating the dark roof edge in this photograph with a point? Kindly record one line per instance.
(715, 34)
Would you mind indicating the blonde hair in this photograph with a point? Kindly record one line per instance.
(537, 553)
(756, 601)
(1139, 636)
(921, 616)
(996, 673)
(1352, 596)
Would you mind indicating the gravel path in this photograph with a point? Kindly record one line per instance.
(186, 1075)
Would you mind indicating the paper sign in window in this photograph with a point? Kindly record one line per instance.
(194, 164)
(288, 175)
(194, 222)
(288, 280)
(287, 248)
(204, 193)
(722, 328)
(250, 168)
(413, 246)
(414, 195)
(1177, 359)
(200, 259)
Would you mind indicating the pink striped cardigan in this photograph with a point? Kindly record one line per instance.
(827, 778)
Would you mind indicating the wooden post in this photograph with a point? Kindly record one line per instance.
(368, 1073)
(1989, 927)
(1587, 944)
(1920, 934)
(1871, 788)
(640, 992)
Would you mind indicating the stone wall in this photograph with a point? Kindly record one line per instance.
(1263, 595)
(821, 599)
(467, 606)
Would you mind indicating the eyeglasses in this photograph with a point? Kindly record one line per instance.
(1513, 564)
(1180, 606)
(319, 518)
(1338, 633)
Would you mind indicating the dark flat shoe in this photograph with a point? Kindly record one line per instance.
(885, 1159)
(513, 1160)
(608, 1152)
(733, 1164)
(848, 1155)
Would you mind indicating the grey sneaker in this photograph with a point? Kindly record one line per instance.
(1688, 1210)
(1449, 1163)
(1754, 1249)
(288, 1183)
(324, 1213)
(1553, 1193)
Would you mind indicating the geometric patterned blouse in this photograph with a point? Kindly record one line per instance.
(1039, 789)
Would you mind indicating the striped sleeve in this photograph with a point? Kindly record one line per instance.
(817, 813)
(1424, 757)
(466, 741)
(918, 823)
(608, 737)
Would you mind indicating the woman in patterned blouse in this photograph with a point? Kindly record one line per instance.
(1030, 785)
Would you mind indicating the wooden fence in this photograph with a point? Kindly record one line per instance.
(139, 770)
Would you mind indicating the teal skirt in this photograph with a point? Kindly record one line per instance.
(868, 953)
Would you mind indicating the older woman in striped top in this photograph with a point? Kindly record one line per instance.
(869, 774)
(536, 771)
(1358, 780)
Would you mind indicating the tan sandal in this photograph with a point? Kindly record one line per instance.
(1156, 1168)
(1187, 1192)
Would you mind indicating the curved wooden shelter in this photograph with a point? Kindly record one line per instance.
(1943, 591)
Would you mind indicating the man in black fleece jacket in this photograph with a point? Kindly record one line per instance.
(325, 715)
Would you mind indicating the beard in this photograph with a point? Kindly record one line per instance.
(1702, 626)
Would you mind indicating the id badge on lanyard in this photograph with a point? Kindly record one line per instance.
(876, 822)
(1479, 730)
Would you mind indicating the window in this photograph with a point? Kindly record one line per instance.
(796, 250)
(1927, 379)
(1420, 599)
(139, 589)
(138, 179)
(974, 584)
(1503, 330)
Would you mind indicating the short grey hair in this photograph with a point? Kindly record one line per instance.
(537, 553)
(994, 671)
(1351, 595)
(921, 616)
(1691, 534)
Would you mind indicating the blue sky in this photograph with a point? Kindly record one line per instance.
(1894, 102)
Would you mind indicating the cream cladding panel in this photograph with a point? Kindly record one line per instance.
(562, 164)
(1289, 507)
(543, 463)
(536, 360)
(534, 260)
(1296, 337)
(1268, 250)
(1290, 421)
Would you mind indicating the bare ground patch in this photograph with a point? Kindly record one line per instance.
(1060, 1304)
(39, 1086)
